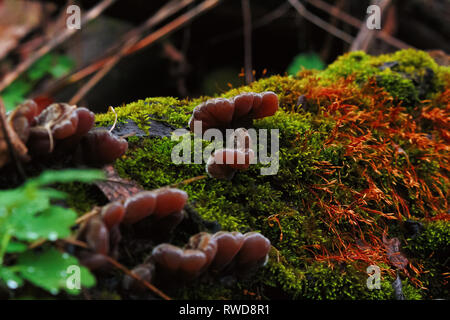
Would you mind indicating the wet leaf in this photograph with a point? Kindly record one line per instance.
(48, 270)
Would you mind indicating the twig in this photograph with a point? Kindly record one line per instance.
(120, 266)
(349, 19)
(247, 19)
(263, 21)
(136, 277)
(187, 181)
(175, 24)
(365, 36)
(132, 38)
(140, 45)
(95, 211)
(343, 16)
(320, 23)
(23, 66)
(131, 46)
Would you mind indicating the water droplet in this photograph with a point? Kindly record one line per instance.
(30, 269)
(65, 255)
(54, 291)
(32, 235)
(12, 284)
(52, 236)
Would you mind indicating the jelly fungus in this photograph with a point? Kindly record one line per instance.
(223, 163)
(139, 206)
(101, 147)
(112, 214)
(237, 112)
(228, 245)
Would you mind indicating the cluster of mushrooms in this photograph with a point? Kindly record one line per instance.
(30, 132)
(58, 129)
(236, 113)
(101, 233)
(218, 253)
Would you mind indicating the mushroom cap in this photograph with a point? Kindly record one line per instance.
(112, 214)
(169, 200)
(236, 112)
(92, 261)
(255, 248)
(168, 257)
(60, 118)
(228, 245)
(204, 242)
(219, 171)
(86, 120)
(102, 147)
(97, 236)
(22, 118)
(139, 206)
(267, 107)
(192, 263)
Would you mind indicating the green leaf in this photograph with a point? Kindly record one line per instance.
(15, 93)
(48, 270)
(62, 66)
(64, 176)
(16, 247)
(10, 278)
(40, 67)
(307, 61)
(53, 223)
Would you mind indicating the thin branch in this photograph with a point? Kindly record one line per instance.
(124, 269)
(320, 23)
(349, 19)
(263, 21)
(247, 18)
(131, 39)
(54, 42)
(365, 36)
(134, 44)
(175, 24)
(187, 181)
(136, 277)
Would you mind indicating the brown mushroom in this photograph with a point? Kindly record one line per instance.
(101, 147)
(97, 236)
(254, 250)
(223, 163)
(112, 214)
(236, 112)
(228, 245)
(168, 201)
(139, 206)
(204, 242)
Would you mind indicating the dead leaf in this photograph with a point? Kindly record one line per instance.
(17, 18)
(115, 188)
(393, 252)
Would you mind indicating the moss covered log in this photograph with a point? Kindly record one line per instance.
(364, 152)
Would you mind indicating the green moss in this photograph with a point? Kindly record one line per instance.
(81, 197)
(286, 207)
(408, 75)
(432, 249)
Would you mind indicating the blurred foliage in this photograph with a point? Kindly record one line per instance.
(52, 64)
(307, 61)
(27, 215)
